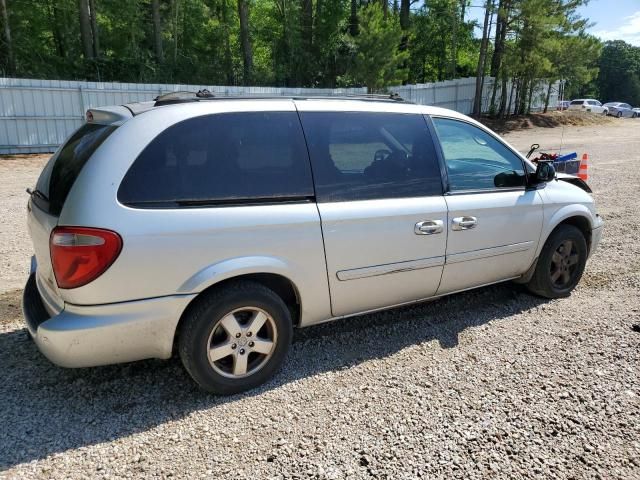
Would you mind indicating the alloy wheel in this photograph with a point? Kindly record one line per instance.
(564, 263)
(242, 342)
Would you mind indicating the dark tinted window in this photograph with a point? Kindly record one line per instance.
(475, 159)
(362, 156)
(222, 158)
(58, 176)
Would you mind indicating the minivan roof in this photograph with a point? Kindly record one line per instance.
(120, 113)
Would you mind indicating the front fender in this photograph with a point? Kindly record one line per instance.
(559, 216)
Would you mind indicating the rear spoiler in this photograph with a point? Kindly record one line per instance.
(117, 113)
(108, 115)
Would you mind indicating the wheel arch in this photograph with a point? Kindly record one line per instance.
(581, 221)
(578, 216)
(281, 285)
(271, 272)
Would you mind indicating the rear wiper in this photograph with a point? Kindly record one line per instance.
(37, 193)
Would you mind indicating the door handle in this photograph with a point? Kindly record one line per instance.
(429, 227)
(464, 223)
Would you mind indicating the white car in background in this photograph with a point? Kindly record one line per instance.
(619, 109)
(588, 105)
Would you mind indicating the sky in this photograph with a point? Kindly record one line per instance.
(612, 19)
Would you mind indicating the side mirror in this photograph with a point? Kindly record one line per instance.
(545, 172)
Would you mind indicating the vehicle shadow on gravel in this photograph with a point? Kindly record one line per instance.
(46, 410)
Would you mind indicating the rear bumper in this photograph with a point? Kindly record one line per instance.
(87, 336)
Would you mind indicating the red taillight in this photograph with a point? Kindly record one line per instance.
(80, 255)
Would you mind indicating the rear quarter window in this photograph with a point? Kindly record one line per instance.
(221, 159)
(63, 168)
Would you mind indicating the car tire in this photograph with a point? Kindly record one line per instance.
(560, 264)
(619, 114)
(218, 347)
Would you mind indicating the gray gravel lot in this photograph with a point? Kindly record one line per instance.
(490, 383)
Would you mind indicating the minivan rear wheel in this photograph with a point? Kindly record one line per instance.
(235, 338)
(561, 263)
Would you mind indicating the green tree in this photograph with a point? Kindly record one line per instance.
(6, 37)
(378, 58)
(619, 77)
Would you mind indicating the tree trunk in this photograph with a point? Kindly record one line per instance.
(6, 33)
(85, 29)
(463, 10)
(513, 88)
(454, 41)
(157, 29)
(531, 89)
(516, 102)
(523, 89)
(353, 18)
(318, 16)
(245, 41)
(385, 8)
(500, 38)
(228, 57)
(56, 32)
(477, 99)
(174, 12)
(306, 20)
(94, 28)
(405, 23)
(306, 28)
(307, 24)
(503, 95)
(405, 13)
(547, 98)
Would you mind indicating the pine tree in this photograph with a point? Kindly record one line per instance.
(378, 59)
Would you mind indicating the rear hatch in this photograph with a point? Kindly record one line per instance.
(48, 198)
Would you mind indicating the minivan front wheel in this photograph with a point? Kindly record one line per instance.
(235, 338)
(561, 263)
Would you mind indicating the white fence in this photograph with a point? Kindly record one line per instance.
(37, 115)
(458, 94)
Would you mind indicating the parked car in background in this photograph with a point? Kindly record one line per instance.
(563, 105)
(619, 109)
(636, 112)
(588, 105)
(196, 225)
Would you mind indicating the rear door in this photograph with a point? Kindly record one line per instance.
(379, 194)
(494, 222)
(595, 106)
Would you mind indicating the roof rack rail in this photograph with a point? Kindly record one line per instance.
(187, 96)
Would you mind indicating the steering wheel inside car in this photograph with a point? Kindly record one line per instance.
(380, 155)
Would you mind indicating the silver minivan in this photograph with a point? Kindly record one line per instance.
(212, 227)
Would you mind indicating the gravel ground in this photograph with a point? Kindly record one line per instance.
(490, 383)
